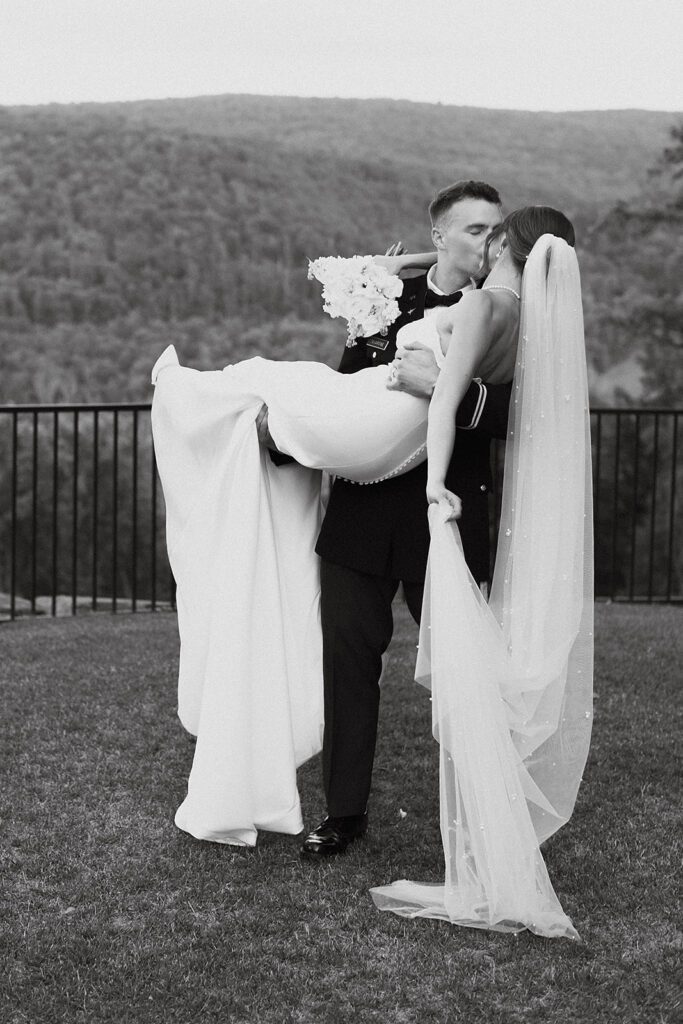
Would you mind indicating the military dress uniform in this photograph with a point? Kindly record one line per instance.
(373, 538)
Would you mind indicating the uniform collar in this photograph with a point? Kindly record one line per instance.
(437, 291)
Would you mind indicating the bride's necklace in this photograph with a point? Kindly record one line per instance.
(500, 287)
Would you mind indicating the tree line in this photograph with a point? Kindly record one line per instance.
(115, 235)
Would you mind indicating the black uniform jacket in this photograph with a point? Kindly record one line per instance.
(382, 528)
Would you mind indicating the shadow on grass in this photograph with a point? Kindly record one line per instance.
(111, 914)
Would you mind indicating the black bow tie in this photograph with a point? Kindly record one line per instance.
(432, 299)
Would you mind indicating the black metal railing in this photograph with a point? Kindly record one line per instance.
(82, 513)
(637, 511)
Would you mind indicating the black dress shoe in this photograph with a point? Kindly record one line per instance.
(333, 835)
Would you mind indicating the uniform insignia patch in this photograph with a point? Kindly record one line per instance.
(378, 342)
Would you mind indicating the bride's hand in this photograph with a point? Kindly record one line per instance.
(396, 260)
(391, 261)
(449, 504)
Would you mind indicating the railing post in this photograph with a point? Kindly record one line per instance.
(634, 515)
(13, 531)
(55, 504)
(74, 520)
(672, 508)
(95, 500)
(34, 515)
(653, 507)
(134, 538)
(115, 512)
(615, 509)
(153, 552)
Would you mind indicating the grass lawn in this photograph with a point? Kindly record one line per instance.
(111, 914)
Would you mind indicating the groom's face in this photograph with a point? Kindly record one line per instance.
(460, 233)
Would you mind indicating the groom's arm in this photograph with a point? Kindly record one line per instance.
(484, 407)
(266, 440)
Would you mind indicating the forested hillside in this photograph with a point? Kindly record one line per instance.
(636, 318)
(585, 160)
(124, 227)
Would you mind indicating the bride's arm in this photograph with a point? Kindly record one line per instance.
(406, 261)
(471, 338)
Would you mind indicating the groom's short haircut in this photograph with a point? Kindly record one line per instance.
(447, 197)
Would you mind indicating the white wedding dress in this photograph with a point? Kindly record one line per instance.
(511, 681)
(241, 534)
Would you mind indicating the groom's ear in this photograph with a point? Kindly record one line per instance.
(437, 237)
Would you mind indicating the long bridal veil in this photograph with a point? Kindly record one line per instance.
(511, 681)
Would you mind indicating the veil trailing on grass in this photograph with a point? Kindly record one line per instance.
(511, 681)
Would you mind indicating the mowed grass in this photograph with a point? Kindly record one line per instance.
(111, 914)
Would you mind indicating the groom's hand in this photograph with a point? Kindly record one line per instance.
(263, 431)
(414, 370)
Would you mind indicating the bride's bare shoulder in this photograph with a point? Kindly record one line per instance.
(471, 319)
(479, 299)
(499, 306)
(474, 305)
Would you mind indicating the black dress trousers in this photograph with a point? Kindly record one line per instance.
(358, 625)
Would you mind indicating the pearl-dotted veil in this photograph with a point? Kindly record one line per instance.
(511, 681)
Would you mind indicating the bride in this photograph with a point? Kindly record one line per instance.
(510, 681)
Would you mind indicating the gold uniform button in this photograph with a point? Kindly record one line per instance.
(482, 487)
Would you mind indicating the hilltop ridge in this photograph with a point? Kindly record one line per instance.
(127, 224)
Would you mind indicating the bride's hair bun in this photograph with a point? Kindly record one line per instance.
(522, 229)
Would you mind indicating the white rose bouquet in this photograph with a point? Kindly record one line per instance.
(359, 290)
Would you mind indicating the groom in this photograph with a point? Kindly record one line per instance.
(375, 537)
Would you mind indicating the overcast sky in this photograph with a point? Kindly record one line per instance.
(521, 54)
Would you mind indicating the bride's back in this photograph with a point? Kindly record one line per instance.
(497, 365)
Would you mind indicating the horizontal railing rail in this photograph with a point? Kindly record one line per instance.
(82, 512)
